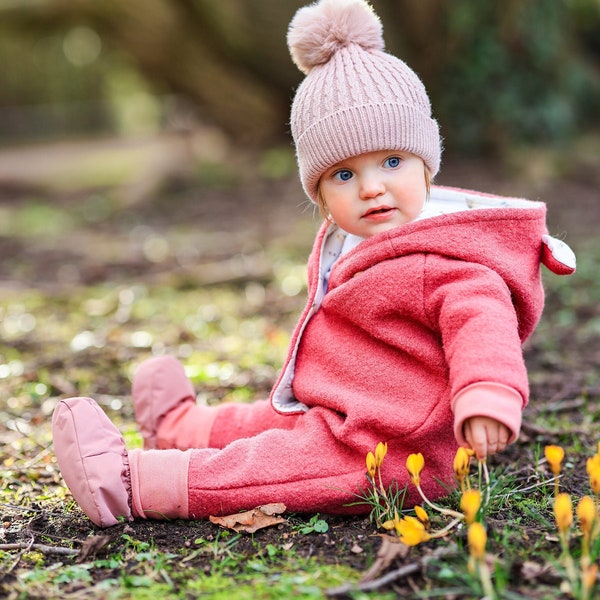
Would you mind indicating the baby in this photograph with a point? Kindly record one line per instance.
(419, 300)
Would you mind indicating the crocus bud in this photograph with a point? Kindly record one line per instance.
(414, 466)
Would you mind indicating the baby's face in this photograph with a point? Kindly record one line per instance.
(374, 192)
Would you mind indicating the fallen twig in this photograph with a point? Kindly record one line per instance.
(375, 584)
(399, 573)
(25, 546)
(21, 508)
(44, 548)
(32, 545)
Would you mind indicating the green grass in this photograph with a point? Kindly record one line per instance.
(139, 571)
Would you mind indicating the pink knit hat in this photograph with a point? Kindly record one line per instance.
(355, 98)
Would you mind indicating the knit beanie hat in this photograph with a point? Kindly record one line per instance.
(355, 97)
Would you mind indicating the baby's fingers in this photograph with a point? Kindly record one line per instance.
(477, 438)
(486, 436)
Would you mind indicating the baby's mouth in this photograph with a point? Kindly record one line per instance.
(379, 210)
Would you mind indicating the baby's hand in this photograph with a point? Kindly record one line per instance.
(485, 436)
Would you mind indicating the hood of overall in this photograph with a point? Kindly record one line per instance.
(507, 235)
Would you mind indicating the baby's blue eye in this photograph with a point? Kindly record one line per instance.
(392, 162)
(343, 175)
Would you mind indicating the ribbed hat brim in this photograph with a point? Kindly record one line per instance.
(366, 128)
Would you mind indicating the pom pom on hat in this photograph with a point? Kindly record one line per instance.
(355, 97)
(319, 30)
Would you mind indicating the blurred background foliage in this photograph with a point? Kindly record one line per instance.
(499, 73)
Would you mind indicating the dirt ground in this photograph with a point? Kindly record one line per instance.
(275, 212)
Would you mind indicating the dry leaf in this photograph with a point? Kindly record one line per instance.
(356, 549)
(91, 546)
(276, 508)
(391, 548)
(252, 520)
(532, 571)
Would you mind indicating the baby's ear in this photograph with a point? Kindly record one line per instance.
(557, 256)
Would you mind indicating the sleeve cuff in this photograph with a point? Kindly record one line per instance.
(488, 399)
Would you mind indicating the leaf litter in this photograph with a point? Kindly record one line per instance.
(251, 521)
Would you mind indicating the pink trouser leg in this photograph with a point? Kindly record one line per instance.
(159, 483)
(188, 425)
(194, 426)
(308, 468)
(318, 466)
(169, 417)
(236, 421)
(305, 468)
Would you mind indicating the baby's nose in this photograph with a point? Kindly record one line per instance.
(370, 187)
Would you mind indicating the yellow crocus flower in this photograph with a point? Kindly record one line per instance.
(470, 502)
(414, 466)
(593, 469)
(593, 462)
(586, 513)
(392, 523)
(411, 531)
(371, 464)
(554, 456)
(380, 452)
(422, 516)
(563, 512)
(462, 460)
(477, 538)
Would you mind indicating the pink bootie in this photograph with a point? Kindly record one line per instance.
(159, 385)
(93, 460)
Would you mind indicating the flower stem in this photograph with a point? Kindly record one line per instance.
(442, 532)
(568, 560)
(440, 509)
(486, 580)
(383, 492)
(486, 476)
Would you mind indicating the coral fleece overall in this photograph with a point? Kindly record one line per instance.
(421, 327)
